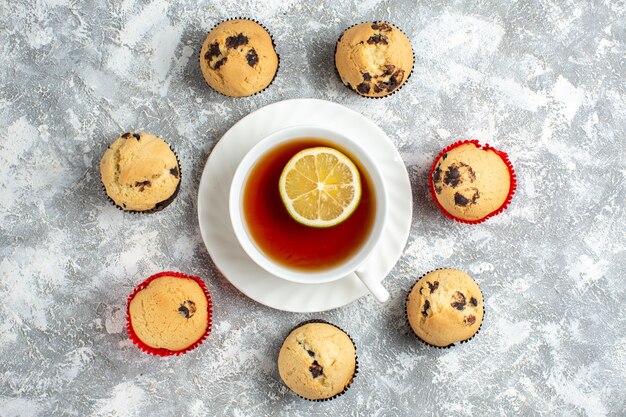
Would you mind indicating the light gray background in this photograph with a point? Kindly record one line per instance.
(541, 80)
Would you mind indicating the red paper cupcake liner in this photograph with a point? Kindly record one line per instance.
(505, 159)
(408, 323)
(161, 351)
(354, 89)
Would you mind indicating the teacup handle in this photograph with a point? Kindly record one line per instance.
(373, 285)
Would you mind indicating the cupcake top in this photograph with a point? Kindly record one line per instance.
(374, 58)
(444, 307)
(470, 183)
(238, 58)
(169, 313)
(140, 172)
(317, 361)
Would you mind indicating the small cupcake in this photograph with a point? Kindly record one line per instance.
(374, 58)
(445, 307)
(238, 58)
(317, 361)
(140, 172)
(169, 314)
(471, 183)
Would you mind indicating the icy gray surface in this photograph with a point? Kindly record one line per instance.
(541, 80)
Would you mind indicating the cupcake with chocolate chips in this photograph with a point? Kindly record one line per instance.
(445, 307)
(169, 314)
(374, 58)
(317, 361)
(140, 172)
(471, 183)
(238, 58)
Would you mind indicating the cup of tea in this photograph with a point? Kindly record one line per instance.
(294, 251)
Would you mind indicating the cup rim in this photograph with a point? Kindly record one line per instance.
(238, 221)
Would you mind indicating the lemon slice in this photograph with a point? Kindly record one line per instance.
(320, 187)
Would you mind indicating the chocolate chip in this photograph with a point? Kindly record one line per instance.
(395, 80)
(469, 320)
(438, 190)
(219, 63)
(383, 27)
(311, 353)
(316, 369)
(473, 301)
(236, 41)
(124, 205)
(366, 76)
(363, 88)
(452, 176)
(214, 50)
(137, 136)
(425, 308)
(187, 309)
(388, 70)
(432, 287)
(460, 200)
(437, 174)
(252, 57)
(390, 85)
(142, 185)
(458, 300)
(445, 155)
(126, 135)
(376, 39)
(174, 171)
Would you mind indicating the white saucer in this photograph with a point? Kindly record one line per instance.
(217, 231)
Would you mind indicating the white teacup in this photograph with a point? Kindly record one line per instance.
(357, 263)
